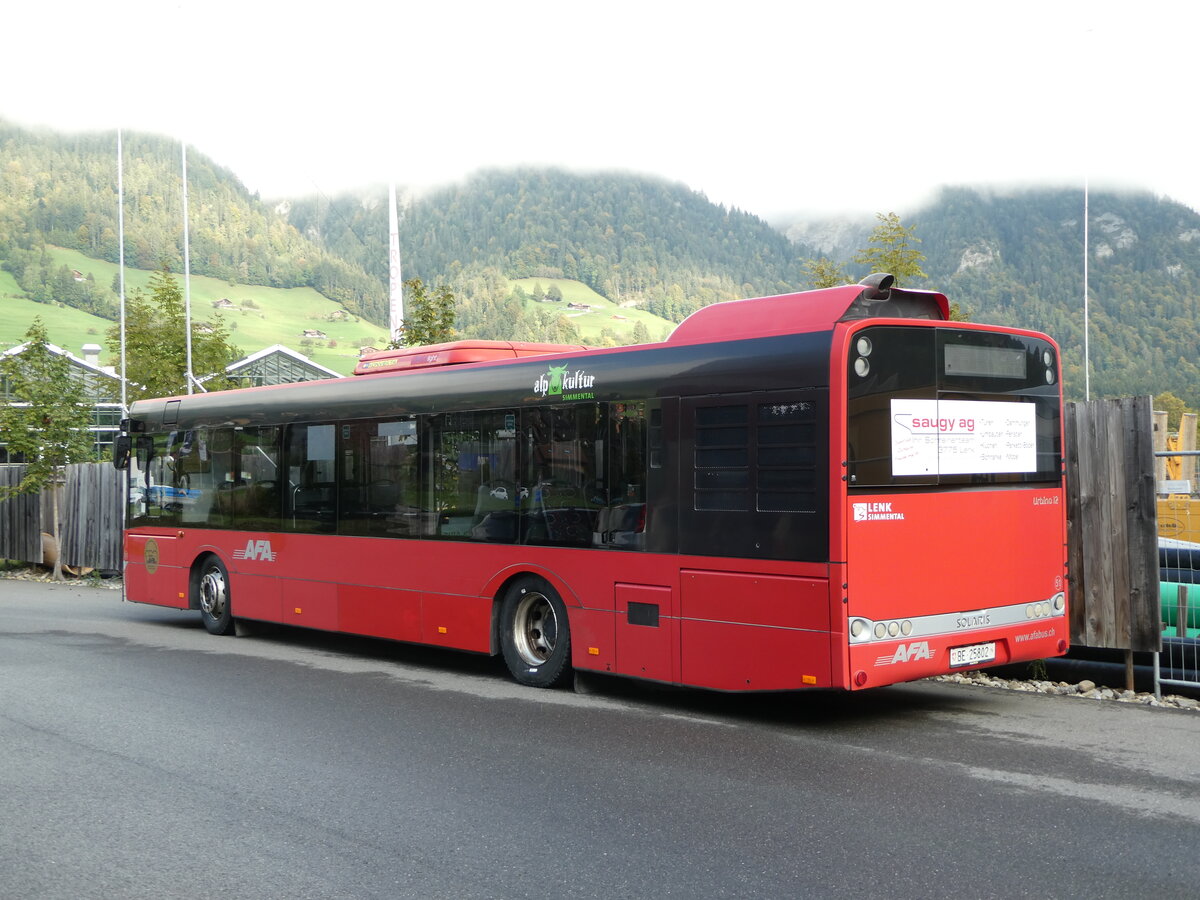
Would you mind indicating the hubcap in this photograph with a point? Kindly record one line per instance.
(535, 628)
(212, 593)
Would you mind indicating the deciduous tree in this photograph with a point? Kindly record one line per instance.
(891, 249)
(431, 315)
(156, 342)
(45, 421)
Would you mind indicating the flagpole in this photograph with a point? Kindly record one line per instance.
(187, 275)
(121, 265)
(395, 282)
(1087, 365)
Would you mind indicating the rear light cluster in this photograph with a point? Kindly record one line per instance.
(864, 629)
(862, 365)
(1052, 607)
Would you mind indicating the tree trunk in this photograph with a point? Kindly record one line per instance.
(58, 574)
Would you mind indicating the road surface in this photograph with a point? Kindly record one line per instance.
(144, 758)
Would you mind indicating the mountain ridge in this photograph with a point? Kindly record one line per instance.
(642, 243)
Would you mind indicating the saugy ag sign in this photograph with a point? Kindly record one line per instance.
(962, 437)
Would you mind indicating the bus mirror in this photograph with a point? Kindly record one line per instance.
(121, 451)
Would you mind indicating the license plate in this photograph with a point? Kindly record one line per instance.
(973, 654)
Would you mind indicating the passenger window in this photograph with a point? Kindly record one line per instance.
(310, 490)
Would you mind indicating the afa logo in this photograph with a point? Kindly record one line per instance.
(558, 382)
(256, 550)
(906, 653)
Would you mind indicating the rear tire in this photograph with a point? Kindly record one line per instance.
(215, 609)
(535, 636)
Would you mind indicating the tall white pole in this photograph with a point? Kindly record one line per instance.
(1087, 357)
(187, 275)
(395, 282)
(121, 265)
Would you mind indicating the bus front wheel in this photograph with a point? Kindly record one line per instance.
(534, 633)
(215, 609)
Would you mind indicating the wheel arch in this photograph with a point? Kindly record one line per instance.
(193, 596)
(499, 584)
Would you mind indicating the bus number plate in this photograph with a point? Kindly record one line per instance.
(973, 655)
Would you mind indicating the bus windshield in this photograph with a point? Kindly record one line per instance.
(934, 406)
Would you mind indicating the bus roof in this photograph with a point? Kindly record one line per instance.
(806, 311)
(454, 353)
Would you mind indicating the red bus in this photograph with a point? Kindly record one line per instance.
(832, 489)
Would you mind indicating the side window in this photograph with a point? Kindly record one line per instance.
(199, 478)
(255, 490)
(310, 488)
(621, 520)
(472, 484)
(378, 484)
(563, 469)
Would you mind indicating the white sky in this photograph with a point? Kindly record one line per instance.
(774, 107)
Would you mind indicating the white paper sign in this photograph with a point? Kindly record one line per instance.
(962, 437)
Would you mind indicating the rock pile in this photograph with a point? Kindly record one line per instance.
(1087, 690)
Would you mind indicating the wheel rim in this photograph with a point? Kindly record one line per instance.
(213, 594)
(535, 628)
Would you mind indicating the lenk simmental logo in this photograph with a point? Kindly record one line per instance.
(564, 384)
(875, 512)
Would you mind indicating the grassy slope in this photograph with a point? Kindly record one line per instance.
(591, 323)
(68, 328)
(281, 315)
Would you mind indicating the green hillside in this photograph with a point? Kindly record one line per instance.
(641, 253)
(603, 315)
(262, 315)
(67, 327)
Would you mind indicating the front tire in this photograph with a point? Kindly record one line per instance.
(535, 635)
(215, 609)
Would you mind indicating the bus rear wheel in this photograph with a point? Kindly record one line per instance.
(215, 609)
(535, 636)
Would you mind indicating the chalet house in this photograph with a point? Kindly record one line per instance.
(223, 303)
(314, 333)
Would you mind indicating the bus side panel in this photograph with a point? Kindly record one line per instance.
(647, 632)
(381, 612)
(257, 597)
(309, 604)
(152, 570)
(731, 657)
(457, 621)
(753, 632)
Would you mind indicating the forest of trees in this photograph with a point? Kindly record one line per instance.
(62, 190)
(1013, 258)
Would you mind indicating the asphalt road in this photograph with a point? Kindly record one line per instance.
(142, 757)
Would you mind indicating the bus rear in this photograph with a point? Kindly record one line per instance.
(953, 506)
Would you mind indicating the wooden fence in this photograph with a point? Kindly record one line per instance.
(1112, 540)
(90, 508)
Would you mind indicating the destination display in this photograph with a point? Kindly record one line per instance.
(962, 437)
